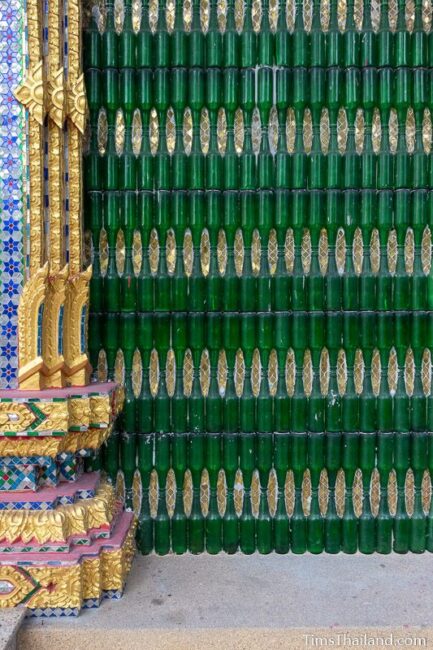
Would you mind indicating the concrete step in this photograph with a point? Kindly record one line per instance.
(10, 622)
(255, 603)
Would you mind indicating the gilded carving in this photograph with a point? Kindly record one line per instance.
(61, 524)
(56, 416)
(91, 578)
(77, 367)
(75, 203)
(52, 357)
(32, 297)
(77, 104)
(56, 98)
(59, 587)
(47, 446)
(79, 412)
(101, 409)
(22, 585)
(31, 92)
(15, 416)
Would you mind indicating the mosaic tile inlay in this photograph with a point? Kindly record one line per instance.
(12, 180)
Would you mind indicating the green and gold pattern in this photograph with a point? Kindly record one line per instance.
(259, 205)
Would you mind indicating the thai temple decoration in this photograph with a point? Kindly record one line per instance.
(66, 541)
(253, 264)
(258, 200)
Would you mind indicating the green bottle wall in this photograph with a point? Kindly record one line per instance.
(259, 203)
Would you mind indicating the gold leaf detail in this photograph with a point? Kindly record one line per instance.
(256, 373)
(341, 372)
(376, 372)
(153, 251)
(170, 372)
(308, 373)
(170, 251)
(31, 92)
(409, 372)
(137, 255)
(77, 104)
(120, 252)
(256, 252)
(359, 372)
(119, 136)
(137, 132)
(56, 98)
(426, 372)
(154, 372)
(375, 251)
(392, 251)
(409, 251)
(340, 251)
(222, 372)
(392, 371)
(306, 251)
(426, 250)
(137, 373)
(289, 250)
(273, 373)
(358, 251)
(324, 372)
(205, 252)
(222, 131)
(239, 373)
(204, 373)
(239, 252)
(323, 251)
(188, 253)
(290, 372)
(222, 252)
(102, 131)
(272, 252)
(188, 373)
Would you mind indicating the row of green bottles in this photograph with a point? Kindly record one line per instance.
(280, 331)
(383, 169)
(298, 88)
(268, 530)
(124, 44)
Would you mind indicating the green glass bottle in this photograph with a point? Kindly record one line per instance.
(298, 522)
(366, 522)
(144, 40)
(384, 523)
(349, 523)
(213, 38)
(283, 45)
(163, 277)
(333, 524)
(315, 523)
(145, 447)
(281, 530)
(111, 279)
(110, 40)
(145, 281)
(161, 39)
(128, 281)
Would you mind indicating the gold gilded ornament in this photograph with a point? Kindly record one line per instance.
(17, 585)
(77, 104)
(59, 587)
(30, 359)
(56, 98)
(77, 367)
(15, 417)
(31, 92)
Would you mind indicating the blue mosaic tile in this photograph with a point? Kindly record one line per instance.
(12, 172)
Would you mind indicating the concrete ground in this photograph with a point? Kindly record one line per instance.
(255, 603)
